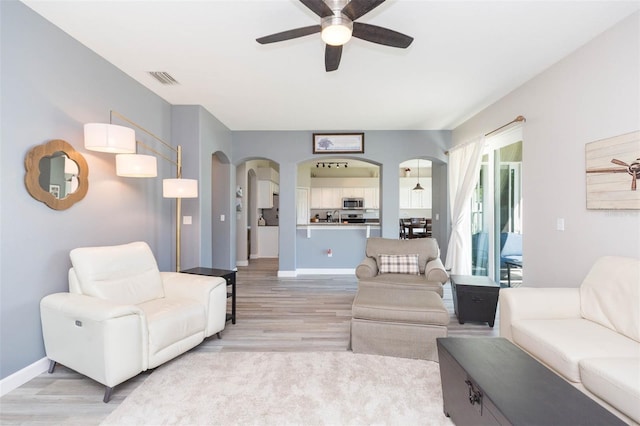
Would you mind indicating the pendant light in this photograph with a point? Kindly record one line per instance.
(418, 187)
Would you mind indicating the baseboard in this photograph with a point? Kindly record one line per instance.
(242, 263)
(21, 377)
(314, 271)
(287, 274)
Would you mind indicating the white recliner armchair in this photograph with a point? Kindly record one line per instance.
(123, 316)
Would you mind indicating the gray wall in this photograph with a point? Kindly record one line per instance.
(386, 148)
(592, 94)
(51, 85)
(207, 241)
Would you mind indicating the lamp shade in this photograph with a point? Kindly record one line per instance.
(136, 165)
(180, 188)
(109, 138)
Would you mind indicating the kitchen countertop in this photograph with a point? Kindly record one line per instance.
(338, 225)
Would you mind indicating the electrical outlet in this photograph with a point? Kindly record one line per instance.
(186, 220)
(560, 224)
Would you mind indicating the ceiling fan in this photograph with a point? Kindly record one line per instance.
(337, 26)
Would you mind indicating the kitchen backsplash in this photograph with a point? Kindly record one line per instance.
(271, 216)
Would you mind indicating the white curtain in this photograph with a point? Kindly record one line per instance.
(464, 168)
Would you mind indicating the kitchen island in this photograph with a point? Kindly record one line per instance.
(331, 247)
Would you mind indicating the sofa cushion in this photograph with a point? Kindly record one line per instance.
(401, 281)
(610, 295)
(125, 274)
(398, 264)
(407, 306)
(427, 248)
(616, 381)
(562, 343)
(170, 320)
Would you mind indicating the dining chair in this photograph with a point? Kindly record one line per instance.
(403, 230)
(417, 227)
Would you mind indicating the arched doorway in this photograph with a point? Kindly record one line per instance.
(257, 210)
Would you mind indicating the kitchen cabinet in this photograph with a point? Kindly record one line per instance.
(327, 193)
(326, 198)
(371, 198)
(268, 184)
(266, 189)
(353, 192)
(268, 241)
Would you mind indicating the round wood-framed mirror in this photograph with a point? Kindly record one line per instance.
(56, 174)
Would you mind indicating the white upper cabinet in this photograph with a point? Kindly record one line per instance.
(268, 184)
(327, 193)
(371, 198)
(326, 198)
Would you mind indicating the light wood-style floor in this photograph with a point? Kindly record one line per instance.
(308, 313)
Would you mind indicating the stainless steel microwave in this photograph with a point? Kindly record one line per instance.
(352, 203)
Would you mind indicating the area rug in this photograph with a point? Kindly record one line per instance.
(275, 388)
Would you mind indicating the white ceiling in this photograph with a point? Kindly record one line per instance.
(465, 56)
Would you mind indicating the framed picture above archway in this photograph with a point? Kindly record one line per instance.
(341, 143)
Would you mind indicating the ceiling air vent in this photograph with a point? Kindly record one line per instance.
(163, 77)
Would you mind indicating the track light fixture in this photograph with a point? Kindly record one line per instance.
(330, 164)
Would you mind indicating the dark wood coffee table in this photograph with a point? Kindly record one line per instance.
(490, 381)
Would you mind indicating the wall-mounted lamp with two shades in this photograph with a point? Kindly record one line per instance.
(121, 140)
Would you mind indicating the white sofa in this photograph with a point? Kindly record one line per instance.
(589, 335)
(123, 316)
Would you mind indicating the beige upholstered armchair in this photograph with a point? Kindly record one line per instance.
(123, 316)
(430, 273)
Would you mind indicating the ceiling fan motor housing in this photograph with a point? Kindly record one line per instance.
(336, 29)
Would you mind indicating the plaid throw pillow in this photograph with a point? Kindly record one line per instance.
(398, 264)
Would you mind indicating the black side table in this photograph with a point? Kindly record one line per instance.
(229, 276)
(475, 298)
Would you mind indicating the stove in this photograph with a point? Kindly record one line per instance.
(353, 218)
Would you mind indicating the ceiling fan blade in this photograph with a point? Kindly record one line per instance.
(356, 8)
(633, 182)
(619, 163)
(288, 35)
(319, 7)
(332, 55)
(381, 35)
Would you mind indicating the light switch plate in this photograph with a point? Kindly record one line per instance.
(221, 218)
(186, 220)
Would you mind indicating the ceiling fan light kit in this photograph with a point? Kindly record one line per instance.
(337, 26)
(336, 30)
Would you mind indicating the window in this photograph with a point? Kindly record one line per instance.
(496, 210)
